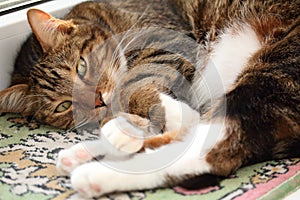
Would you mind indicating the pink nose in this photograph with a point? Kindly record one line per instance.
(98, 101)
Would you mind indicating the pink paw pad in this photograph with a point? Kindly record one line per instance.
(66, 162)
(95, 187)
(82, 191)
(83, 154)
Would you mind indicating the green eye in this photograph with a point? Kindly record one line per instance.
(63, 106)
(81, 68)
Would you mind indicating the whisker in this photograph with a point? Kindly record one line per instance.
(80, 124)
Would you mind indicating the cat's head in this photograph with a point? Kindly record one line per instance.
(68, 80)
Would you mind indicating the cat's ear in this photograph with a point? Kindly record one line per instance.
(13, 99)
(48, 29)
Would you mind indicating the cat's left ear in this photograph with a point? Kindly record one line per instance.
(48, 29)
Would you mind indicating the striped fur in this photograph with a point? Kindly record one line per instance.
(61, 43)
(253, 117)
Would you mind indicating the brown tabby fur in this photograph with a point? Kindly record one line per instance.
(62, 42)
(262, 106)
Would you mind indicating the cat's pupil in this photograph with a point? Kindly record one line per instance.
(81, 68)
(63, 106)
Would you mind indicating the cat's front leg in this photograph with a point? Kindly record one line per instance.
(124, 133)
(127, 133)
(83, 152)
(118, 138)
(130, 133)
(164, 167)
(95, 179)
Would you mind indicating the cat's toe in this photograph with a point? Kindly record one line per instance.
(123, 135)
(85, 183)
(65, 164)
(69, 159)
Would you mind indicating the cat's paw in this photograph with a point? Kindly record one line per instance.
(69, 159)
(93, 180)
(123, 135)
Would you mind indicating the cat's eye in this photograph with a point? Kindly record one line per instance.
(63, 106)
(81, 68)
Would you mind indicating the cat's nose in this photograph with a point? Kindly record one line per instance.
(99, 101)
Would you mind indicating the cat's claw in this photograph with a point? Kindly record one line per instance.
(123, 135)
(69, 159)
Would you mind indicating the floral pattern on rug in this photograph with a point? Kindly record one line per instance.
(27, 170)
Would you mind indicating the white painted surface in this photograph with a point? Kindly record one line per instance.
(293, 196)
(14, 29)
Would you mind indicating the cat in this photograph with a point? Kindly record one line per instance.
(245, 87)
(252, 114)
(43, 94)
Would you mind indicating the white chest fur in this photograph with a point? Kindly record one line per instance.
(232, 52)
(229, 56)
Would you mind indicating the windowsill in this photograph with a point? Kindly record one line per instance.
(7, 5)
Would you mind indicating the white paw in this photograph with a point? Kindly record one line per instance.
(178, 114)
(123, 135)
(93, 180)
(69, 159)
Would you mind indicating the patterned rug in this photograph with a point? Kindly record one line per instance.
(27, 170)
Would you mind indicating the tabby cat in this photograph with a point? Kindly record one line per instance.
(241, 79)
(51, 98)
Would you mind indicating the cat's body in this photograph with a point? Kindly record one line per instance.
(113, 28)
(246, 87)
(254, 46)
